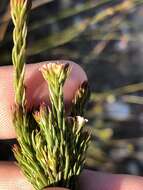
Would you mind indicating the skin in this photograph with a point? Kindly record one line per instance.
(36, 92)
(11, 177)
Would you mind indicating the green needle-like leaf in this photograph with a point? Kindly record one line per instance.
(52, 147)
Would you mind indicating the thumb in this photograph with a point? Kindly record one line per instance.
(36, 91)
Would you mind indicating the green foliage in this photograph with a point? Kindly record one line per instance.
(19, 16)
(89, 21)
(85, 33)
(53, 154)
(51, 150)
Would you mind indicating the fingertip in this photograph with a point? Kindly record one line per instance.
(91, 180)
(36, 91)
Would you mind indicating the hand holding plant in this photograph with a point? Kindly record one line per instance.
(51, 151)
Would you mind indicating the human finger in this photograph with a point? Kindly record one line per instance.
(36, 91)
(91, 180)
(11, 178)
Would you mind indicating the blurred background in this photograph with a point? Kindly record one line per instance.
(106, 38)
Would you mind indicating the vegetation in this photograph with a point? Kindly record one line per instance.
(51, 150)
(105, 38)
